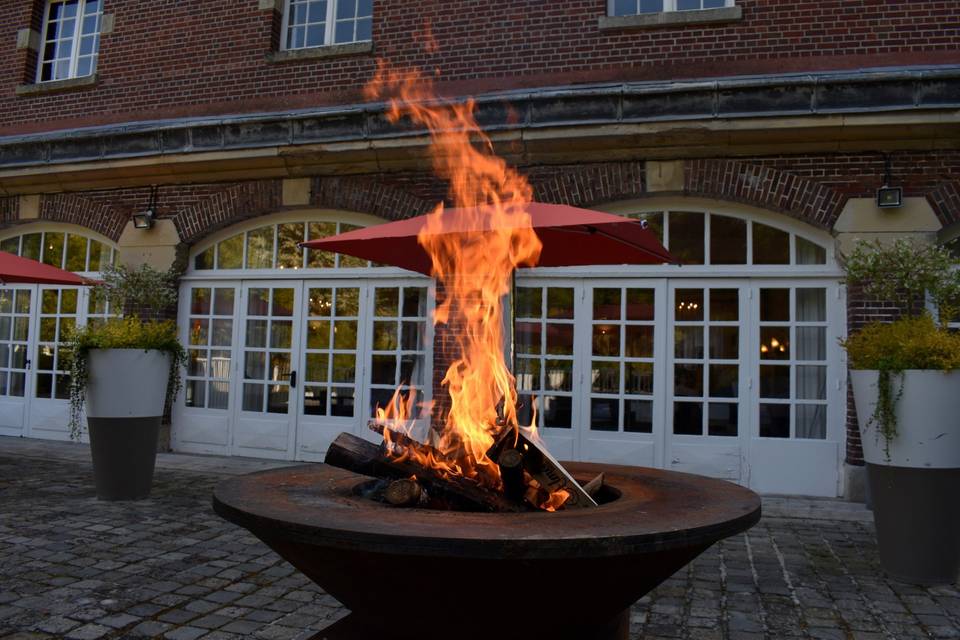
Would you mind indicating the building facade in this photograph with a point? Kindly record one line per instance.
(752, 135)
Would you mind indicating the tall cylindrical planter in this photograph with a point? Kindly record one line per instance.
(915, 487)
(125, 396)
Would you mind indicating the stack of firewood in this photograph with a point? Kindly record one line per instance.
(530, 475)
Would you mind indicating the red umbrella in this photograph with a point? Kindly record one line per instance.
(14, 269)
(570, 237)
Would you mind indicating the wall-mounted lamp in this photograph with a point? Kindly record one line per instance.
(144, 219)
(889, 197)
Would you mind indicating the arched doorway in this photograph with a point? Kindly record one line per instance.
(35, 319)
(287, 348)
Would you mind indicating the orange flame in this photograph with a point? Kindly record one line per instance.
(473, 270)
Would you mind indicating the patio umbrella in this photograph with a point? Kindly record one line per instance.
(570, 237)
(14, 269)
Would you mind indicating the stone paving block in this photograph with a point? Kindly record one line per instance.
(185, 633)
(89, 632)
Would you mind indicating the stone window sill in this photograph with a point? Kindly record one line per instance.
(330, 51)
(672, 18)
(56, 86)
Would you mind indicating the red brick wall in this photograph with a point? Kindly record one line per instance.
(182, 57)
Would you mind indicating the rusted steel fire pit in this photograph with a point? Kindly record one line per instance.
(417, 573)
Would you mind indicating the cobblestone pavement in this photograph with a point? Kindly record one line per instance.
(168, 567)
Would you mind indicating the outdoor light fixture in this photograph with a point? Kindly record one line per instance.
(889, 197)
(144, 219)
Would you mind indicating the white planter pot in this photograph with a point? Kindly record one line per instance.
(126, 383)
(928, 419)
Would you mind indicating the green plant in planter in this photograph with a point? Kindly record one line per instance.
(909, 273)
(141, 295)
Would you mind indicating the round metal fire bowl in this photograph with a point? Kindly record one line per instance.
(416, 573)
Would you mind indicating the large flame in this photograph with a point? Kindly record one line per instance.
(472, 270)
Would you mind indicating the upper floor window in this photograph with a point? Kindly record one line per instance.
(635, 7)
(71, 39)
(316, 23)
(70, 251)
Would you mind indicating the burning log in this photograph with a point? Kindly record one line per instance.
(405, 492)
(511, 471)
(550, 474)
(593, 487)
(356, 454)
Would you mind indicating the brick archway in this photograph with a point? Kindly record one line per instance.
(764, 187)
(91, 214)
(364, 195)
(233, 204)
(945, 201)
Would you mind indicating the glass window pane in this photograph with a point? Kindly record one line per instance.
(31, 246)
(527, 337)
(811, 343)
(605, 377)
(385, 335)
(53, 248)
(774, 420)
(68, 301)
(557, 412)
(728, 240)
(774, 343)
(638, 416)
(49, 299)
(345, 334)
(99, 253)
(315, 35)
(383, 369)
(256, 333)
(318, 334)
(204, 259)
(640, 304)
(221, 332)
(412, 337)
(606, 304)
(279, 366)
(770, 246)
(811, 305)
(688, 5)
(651, 6)
(639, 341)
(344, 31)
(255, 365)
(320, 302)
(724, 382)
(260, 248)
(624, 7)
(686, 236)
(774, 305)
(560, 339)
(387, 302)
(808, 252)
(230, 253)
(559, 302)
(688, 342)
(688, 380)
(316, 370)
(194, 391)
(364, 29)
(414, 302)
(278, 398)
(689, 304)
(348, 302)
(722, 419)
(223, 301)
(341, 402)
(314, 401)
(321, 259)
(289, 255)
(528, 374)
(218, 395)
(84, 66)
(811, 382)
(346, 9)
(774, 381)
(811, 421)
(724, 305)
(529, 302)
(724, 343)
(282, 302)
(199, 331)
(76, 253)
(606, 339)
(11, 245)
(197, 362)
(200, 301)
(639, 378)
(558, 375)
(688, 418)
(604, 414)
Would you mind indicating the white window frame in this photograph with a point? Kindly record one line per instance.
(329, 32)
(668, 6)
(75, 37)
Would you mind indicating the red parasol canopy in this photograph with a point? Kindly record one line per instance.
(570, 237)
(14, 269)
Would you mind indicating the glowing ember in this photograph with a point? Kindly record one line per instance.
(473, 273)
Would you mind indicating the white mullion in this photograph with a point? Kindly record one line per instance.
(285, 25)
(75, 49)
(330, 30)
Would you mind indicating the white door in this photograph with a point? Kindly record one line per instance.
(799, 417)
(706, 393)
(15, 360)
(265, 416)
(622, 344)
(201, 422)
(59, 311)
(547, 368)
(328, 380)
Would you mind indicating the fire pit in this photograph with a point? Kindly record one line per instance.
(419, 573)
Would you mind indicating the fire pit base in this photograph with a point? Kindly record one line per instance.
(422, 574)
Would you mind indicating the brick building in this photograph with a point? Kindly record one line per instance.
(752, 135)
